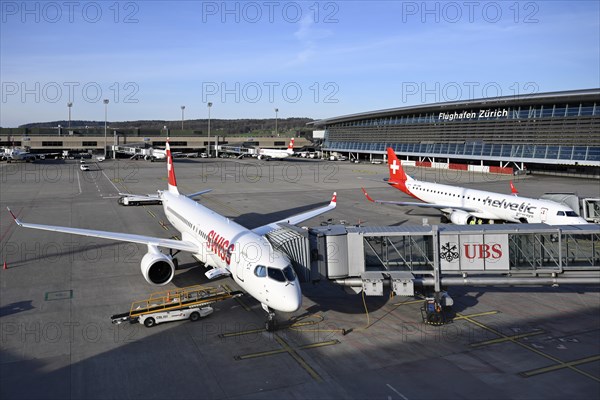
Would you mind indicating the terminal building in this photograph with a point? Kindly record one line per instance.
(544, 131)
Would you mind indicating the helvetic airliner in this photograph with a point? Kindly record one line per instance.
(467, 206)
(227, 247)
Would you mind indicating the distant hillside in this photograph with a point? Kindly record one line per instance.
(224, 126)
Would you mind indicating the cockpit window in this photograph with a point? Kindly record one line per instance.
(276, 274)
(289, 273)
(260, 271)
(560, 213)
(571, 214)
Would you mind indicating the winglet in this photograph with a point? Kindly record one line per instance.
(17, 220)
(333, 199)
(513, 189)
(367, 196)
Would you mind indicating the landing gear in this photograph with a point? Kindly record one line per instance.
(173, 254)
(271, 323)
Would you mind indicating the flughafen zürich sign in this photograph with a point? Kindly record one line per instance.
(488, 113)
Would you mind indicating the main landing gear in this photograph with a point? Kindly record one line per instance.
(271, 323)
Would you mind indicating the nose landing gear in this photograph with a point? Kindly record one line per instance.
(271, 323)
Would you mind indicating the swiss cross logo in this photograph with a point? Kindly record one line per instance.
(394, 167)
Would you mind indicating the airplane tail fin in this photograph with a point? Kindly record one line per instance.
(397, 174)
(513, 189)
(290, 148)
(171, 170)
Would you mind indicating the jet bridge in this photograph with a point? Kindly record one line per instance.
(432, 258)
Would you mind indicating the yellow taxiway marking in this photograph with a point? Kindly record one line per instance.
(473, 315)
(507, 338)
(559, 362)
(286, 348)
(408, 302)
(567, 364)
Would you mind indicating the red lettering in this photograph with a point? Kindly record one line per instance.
(484, 251)
(229, 251)
(497, 250)
(467, 253)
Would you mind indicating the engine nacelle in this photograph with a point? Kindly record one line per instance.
(158, 268)
(461, 217)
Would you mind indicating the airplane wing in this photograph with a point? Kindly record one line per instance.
(296, 219)
(422, 205)
(123, 237)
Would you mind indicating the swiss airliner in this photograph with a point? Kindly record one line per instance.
(267, 154)
(218, 242)
(468, 206)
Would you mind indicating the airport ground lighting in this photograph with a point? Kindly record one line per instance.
(209, 105)
(69, 105)
(182, 118)
(276, 111)
(105, 101)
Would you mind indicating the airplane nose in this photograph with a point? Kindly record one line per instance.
(293, 298)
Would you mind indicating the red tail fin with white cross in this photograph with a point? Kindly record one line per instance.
(171, 171)
(290, 149)
(397, 174)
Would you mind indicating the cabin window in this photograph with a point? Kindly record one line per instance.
(260, 271)
(276, 274)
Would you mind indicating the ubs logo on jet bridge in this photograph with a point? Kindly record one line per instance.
(474, 252)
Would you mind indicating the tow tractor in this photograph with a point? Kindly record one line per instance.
(191, 303)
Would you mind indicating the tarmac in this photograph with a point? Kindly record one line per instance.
(59, 291)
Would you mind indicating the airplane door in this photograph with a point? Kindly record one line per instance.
(239, 271)
(543, 214)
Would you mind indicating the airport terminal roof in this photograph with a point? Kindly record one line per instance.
(503, 101)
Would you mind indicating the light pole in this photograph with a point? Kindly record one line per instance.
(208, 142)
(105, 101)
(182, 108)
(276, 111)
(69, 105)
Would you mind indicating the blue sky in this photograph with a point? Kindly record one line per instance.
(308, 59)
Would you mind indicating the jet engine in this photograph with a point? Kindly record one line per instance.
(158, 268)
(461, 217)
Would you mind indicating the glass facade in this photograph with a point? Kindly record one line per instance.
(545, 128)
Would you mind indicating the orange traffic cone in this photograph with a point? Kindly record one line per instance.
(5, 266)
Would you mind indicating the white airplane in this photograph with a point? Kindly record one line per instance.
(229, 248)
(467, 206)
(11, 154)
(156, 154)
(267, 154)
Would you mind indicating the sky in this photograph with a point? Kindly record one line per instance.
(305, 59)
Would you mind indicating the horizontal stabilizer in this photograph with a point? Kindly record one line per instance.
(198, 193)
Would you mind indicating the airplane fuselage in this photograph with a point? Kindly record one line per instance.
(494, 206)
(228, 245)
